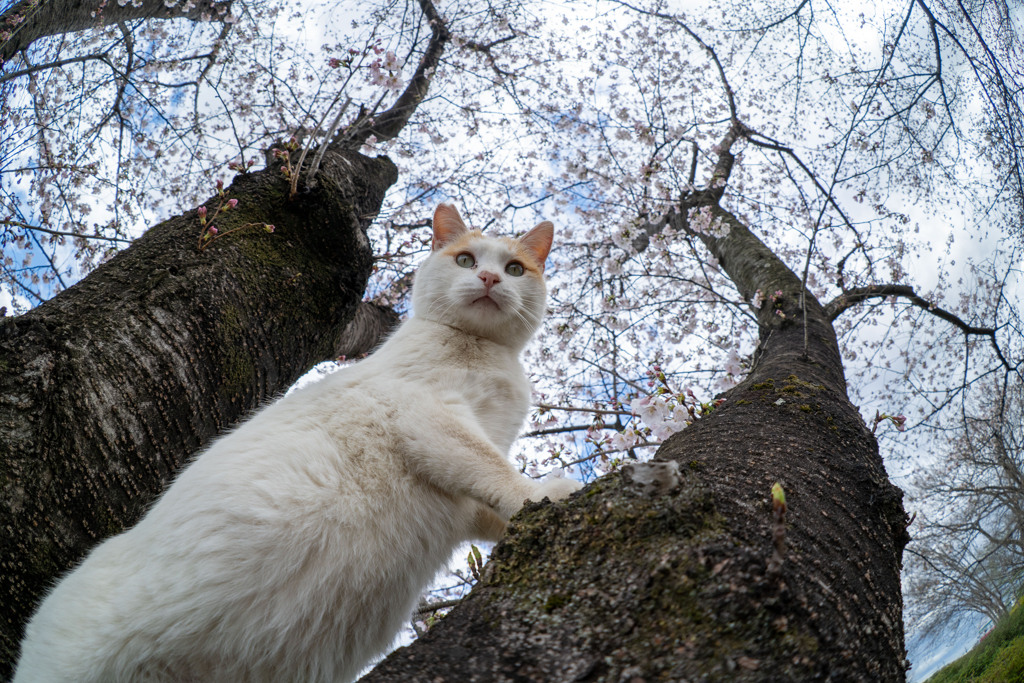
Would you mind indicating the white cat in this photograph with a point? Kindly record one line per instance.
(295, 547)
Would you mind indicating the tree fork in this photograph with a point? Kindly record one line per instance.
(106, 389)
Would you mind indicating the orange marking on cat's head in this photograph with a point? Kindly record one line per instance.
(522, 255)
(451, 237)
(461, 243)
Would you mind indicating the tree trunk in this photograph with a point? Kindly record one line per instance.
(108, 387)
(672, 579)
(27, 21)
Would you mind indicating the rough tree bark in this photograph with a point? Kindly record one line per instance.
(29, 20)
(636, 581)
(108, 387)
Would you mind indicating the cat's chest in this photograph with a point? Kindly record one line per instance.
(498, 400)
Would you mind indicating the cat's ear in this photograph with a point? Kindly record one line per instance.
(537, 242)
(448, 226)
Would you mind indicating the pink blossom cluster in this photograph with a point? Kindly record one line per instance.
(12, 20)
(664, 415)
(387, 72)
(702, 222)
(660, 415)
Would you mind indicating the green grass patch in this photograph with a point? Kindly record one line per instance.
(999, 658)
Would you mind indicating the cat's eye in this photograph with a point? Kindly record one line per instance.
(465, 260)
(515, 269)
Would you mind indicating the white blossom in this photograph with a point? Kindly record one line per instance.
(624, 440)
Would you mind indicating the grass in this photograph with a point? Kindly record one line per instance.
(998, 658)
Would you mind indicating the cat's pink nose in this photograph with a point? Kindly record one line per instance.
(489, 278)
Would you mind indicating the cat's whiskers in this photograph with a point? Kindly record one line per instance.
(448, 301)
(522, 316)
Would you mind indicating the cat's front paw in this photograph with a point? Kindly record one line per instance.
(555, 488)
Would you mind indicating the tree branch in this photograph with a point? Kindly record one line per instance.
(368, 328)
(62, 233)
(431, 607)
(390, 123)
(858, 295)
(35, 19)
(101, 56)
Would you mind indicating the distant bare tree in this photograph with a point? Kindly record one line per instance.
(968, 551)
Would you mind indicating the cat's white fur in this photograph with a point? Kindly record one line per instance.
(295, 547)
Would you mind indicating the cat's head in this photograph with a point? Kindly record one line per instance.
(492, 287)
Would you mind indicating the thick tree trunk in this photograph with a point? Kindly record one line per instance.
(631, 581)
(107, 388)
(27, 21)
